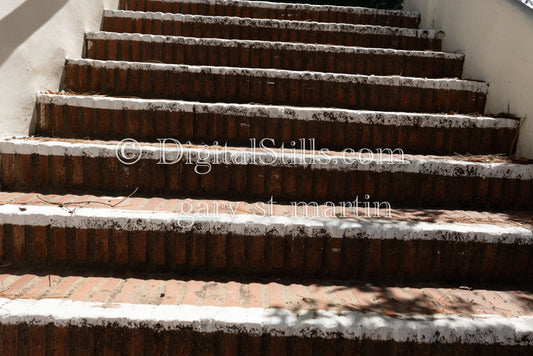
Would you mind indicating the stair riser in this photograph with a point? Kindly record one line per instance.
(255, 56)
(194, 28)
(242, 86)
(289, 183)
(110, 339)
(295, 255)
(298, 13)
(237, 128)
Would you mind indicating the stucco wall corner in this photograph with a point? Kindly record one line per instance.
(497, 38)
(36, 38)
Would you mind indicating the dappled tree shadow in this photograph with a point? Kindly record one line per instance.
(404, 301)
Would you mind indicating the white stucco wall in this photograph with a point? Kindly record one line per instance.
(35, 38)
(497, 38)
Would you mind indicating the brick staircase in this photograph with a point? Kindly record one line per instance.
(217, 253)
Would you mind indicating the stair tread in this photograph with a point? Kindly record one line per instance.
(392, 80)
(275, 86)
(255, 172)
(497, 165)
(270, 28)
(442, 218)
(148, 120)
(304, 6)
(287, 11)
(284, 111)
(108, 35)
(284, 55)
(403, 313)
(168, 289)
(264, 239)
(276, 23)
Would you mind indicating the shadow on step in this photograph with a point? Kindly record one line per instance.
(296, 294)
(17, 26)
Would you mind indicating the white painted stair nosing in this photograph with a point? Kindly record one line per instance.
(412, 82)
(476, 329)
(299, 6)
(259, 224)
(275, 23)
(292, 46)
(215, 155)
(282, 112)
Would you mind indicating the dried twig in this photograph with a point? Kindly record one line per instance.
(86, 202)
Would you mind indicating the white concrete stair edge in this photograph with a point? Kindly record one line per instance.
(394, 80)
(259, 225)
(293, 46)
(298, 6)
(216, 155)
(282, 112)
(478, 329)
(274, 23)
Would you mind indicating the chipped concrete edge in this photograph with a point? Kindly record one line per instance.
(258, 224)
(413, 82)
(275, 23)
(289, 46)
(281, 112)
(300, 6)
(170, 152)
(478, 329)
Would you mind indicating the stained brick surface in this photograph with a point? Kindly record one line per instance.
(234, 28)
(141, 289)
(306, 294)
(319, 184)
(113, 340)
(260, 54)
(289, 12)
(211, 126)
(268, 255)
(245, 86)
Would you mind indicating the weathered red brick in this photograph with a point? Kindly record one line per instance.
(19, 243)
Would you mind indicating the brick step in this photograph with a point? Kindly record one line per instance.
(279, 55)
(157, 23)
(506, 219)
(286, 175)
(224, 238)
(280, 11)
(273, 86)
(70, 116)
(159, 314)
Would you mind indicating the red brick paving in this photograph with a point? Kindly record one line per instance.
(148, 289)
